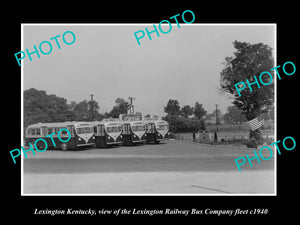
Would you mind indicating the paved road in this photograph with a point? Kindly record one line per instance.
(172, 156)
(171, 168)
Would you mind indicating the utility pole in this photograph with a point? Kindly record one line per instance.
(92, 106)
(131, 107)
(217, 117)
(216, 135)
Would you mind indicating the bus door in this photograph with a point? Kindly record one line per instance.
(151, 133)
(100, 136)
(71, 128)
(127, 134)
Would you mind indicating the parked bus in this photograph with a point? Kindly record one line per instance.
(108, 132)
(133, 129)
(82, 134)
(157, 130)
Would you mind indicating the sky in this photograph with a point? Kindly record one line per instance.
(105, 60)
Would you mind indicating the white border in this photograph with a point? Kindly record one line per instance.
(149, 24)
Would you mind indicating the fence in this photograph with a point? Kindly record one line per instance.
(208, 138)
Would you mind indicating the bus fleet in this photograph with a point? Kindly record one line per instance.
(128, 129)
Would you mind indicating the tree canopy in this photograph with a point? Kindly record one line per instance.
(234, 115)
(41, 107)
(180, 119)
(199, 111)
(121, 107)
(172, 107)
(249, 60)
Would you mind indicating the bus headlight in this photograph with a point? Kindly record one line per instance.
(79, 139)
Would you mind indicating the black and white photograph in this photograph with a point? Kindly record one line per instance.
(142, 111)
(149, 109)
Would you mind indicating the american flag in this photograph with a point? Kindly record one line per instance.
(255, 124)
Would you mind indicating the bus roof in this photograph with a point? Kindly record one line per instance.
(156, 121)
(60, 124)
(107, 122)
(137, 122)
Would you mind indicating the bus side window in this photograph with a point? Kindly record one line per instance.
(44, 130)
(56, 129)
(72, 130)
(50, 130)
(63, 132)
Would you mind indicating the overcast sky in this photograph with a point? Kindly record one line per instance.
(106, 61)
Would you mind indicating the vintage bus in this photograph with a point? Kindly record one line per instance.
(157, 130)
(82, 134)
(133, 129)
(108, 132)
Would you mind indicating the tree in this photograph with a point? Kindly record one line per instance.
(178, 118)
(148, 116)
(187, 111)
(199, 111)
(172, 107)
(234, 115)
(81, 111)
(121, 107)
(269, 115)
(182, 124)
(219, 113)
(40, 107)
(249, 60)
(85, 111)
(209, 116)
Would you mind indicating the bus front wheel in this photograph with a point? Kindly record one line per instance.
(64, 147)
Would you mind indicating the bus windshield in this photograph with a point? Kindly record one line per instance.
(84, 130)
(162, 127)
(138, 128)
(113, 129)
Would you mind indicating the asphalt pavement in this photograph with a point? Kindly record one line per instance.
(174, 157)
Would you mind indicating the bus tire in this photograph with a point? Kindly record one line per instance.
(41, 146)
(64, 146)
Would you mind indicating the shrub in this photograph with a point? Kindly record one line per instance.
(252, 143)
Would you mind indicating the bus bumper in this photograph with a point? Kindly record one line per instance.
(83, 145)
(114, 143)
(138, 141)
